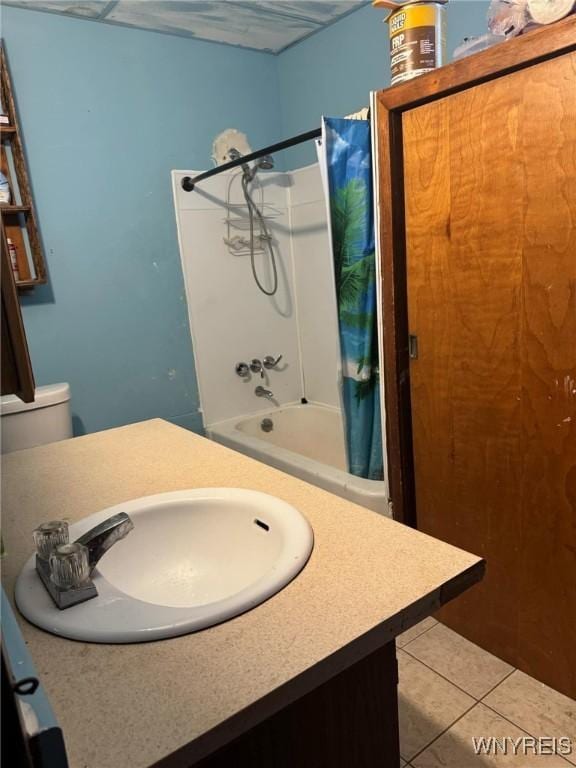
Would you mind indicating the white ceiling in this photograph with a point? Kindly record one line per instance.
(265, 25)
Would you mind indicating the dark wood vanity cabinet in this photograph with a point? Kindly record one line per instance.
(17, 377)
(351, 721)
(477, 168)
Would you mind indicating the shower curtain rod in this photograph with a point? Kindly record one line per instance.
(189, 182)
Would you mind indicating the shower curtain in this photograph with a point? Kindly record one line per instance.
(348, 173)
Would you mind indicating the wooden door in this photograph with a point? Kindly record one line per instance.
(490, 207)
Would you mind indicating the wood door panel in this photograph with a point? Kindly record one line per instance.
(490, 196)
(467, 323)
(429, 287)
(547, 621)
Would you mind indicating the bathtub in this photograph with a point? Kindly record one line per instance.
(306, 441)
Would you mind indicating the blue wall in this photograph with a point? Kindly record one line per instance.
(332, 72)
(106, 113)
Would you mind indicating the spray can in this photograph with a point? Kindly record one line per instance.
(417, 37)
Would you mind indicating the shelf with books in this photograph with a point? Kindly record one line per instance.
(16, 204)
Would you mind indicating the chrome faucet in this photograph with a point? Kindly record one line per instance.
(99, 539)
(262, 392)
(271, 362)
(256, 366)
(65, 569)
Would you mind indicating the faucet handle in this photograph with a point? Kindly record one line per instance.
(69, 568)
(242, 370)
(270, 362)
(256, 367)
(50, 535)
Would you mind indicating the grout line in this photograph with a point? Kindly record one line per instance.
(476, 703)
(505, 718)
(497, 684)
(429, 744)
(417, 636)
(476, 700)
(520, 727)
(404, 648)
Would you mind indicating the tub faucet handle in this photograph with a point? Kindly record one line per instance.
(270, 362)
(242, 370)
(257, 367)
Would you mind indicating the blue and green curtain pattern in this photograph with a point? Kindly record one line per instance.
(349, 170)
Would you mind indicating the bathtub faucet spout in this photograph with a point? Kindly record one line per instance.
(263, 392)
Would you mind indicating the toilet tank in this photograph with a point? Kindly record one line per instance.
(46, 420)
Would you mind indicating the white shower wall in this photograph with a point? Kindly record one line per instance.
(315, 288)
(232, 321)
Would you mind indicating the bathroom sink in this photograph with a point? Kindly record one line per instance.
(194, 559)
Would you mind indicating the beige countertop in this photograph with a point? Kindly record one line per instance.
(172, 702)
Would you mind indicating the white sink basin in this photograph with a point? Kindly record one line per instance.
(195, 558)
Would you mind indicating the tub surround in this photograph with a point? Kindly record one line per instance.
(232, 322)
(176, 702)
(230, 319)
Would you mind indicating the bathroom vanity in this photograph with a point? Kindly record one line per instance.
(307, 678)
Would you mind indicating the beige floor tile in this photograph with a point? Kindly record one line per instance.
(428, 704)
(415, 631)
(535, 708)
(471, 668)
(454, 749)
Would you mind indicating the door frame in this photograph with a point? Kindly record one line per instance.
(524, 51)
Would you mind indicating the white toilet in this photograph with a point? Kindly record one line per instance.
(46, 420)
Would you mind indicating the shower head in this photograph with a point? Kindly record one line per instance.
(266, 163)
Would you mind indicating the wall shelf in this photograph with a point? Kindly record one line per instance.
(18, 217)
(7, 209)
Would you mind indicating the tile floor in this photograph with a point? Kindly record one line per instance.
(451, 690)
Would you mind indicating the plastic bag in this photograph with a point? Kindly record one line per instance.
(4, 190)
(471, 45)
(508, 17)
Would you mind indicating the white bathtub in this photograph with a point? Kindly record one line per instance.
(306, 441)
